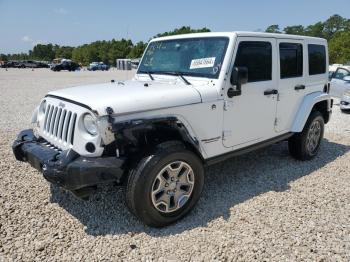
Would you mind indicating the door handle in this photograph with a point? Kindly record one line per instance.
(270, 92)
(299, 87)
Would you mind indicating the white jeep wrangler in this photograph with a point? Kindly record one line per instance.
(195, 100)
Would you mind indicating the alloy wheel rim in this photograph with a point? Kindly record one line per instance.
(313, 137)
(172, 187)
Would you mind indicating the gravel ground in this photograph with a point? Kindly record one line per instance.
(260, 206)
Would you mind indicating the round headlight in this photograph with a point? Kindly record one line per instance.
(90, 124)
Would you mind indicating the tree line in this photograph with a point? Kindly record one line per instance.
(335, 29)
(105, 51)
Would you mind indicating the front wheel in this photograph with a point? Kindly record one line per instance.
(165, 185)
(305, 145)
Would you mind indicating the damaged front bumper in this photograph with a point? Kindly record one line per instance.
(66, 169)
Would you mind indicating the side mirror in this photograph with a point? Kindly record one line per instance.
(346, 79)
(239, 77)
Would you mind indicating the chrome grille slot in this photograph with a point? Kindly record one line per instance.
(57, 122)
(59, 125)
(53, 119)
(66, 126)
(71, 129)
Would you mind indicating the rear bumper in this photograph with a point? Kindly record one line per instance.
(66, 169)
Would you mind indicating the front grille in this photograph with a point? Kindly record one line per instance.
(59, 124)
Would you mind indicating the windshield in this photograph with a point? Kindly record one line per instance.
(201, 57)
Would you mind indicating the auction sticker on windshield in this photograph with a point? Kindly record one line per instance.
(202, 62)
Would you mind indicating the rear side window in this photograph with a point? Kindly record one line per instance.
(257, 57)
(317, 59)
(291, 60)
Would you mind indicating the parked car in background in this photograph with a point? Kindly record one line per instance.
(94, 66)
(332, 69)
(65, 65)
(340, 86)
(8, 64)
(25, 64)
(345, 100)
(42, 65)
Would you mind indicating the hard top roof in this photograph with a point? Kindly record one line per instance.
(240, 33)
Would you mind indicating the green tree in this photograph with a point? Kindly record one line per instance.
(3, 57)
(339, 48)
(273, 29)
(295, 30)
(183, 30)
(316, 30)
(63, 52)
(43, 52)
(137, 50)
(334, 24)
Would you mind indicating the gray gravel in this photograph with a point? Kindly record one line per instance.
(262, 206)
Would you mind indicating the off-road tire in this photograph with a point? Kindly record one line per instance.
(297, 144)
(141, 179)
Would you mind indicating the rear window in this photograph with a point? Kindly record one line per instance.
(317, 59)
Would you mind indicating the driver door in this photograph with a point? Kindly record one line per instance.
(250, 117)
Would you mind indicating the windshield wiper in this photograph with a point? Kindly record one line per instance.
(179, 74)
(148, 73)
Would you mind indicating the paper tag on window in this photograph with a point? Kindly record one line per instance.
(202, 62)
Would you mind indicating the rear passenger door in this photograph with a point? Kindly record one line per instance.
(291, 81)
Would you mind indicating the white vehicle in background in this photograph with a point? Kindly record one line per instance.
(340, 86)
(195, 100)
(332, 69)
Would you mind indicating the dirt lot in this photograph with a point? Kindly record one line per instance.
(263, 205)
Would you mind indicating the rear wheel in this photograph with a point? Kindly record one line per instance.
(165, 185)
(305, 145)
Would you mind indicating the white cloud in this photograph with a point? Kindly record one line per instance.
(61, 11)
(27, 39)
(33, 42)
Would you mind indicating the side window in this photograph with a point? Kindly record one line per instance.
(341, 73)
(291, 60)
(317, 59)
(257, 57)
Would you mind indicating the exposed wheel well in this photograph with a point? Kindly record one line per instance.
(140, 137)
(322, 107)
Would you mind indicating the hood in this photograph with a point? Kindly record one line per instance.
(130, 96)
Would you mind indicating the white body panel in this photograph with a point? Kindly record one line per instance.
(247, 119)
(338, 85)
(131, 96)
(305, 109)
(246, 122)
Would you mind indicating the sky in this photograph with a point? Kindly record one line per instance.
(24, 23)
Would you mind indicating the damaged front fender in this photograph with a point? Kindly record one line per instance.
(150, 131)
